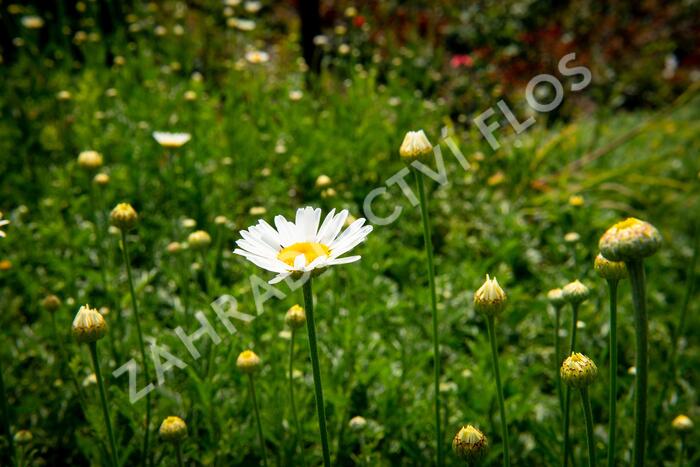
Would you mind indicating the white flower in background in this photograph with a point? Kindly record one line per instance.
(257, 56)
(241, 24)
(171, 140)
(301, 246)
(252, 6)
(3, 223)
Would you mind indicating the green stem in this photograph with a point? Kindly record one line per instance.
(499, 389)
(318, 387)
(681, 452)
(292, 402)
(588, 415)
(6, 414)
(251, 385)
(612, 424)
(134, 305)
(103, 399)
(636, 272)
(433, 303)
(557, 356)
(178, 451)
(567, 400)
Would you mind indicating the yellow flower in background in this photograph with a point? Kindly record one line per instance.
(257, 56)
(576, 201)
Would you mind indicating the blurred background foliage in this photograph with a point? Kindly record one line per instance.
(104, 75)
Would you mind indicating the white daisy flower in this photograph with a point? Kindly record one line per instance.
(171, 140)
(302, 246)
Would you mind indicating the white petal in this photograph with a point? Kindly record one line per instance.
(346, 260)
(300, 262)
(286, 230)
(333, 228)
(279, 278)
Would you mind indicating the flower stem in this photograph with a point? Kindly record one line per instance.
(318, 386)
(6, 414)
(134, 305)
(433, 304)
(292, 401)
(499, 389)
(588, 415)
(103, 399)
(567, 400)
(612, 427)
(557, 356)
(681, 452)
(636, 272)
(251, 385)
(178, 451)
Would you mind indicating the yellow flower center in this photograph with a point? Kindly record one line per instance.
(310, 250)
(627, 223)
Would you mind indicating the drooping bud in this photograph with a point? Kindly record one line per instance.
(578, 370)
(51, 303)
(470, 444)
(682, 424)
(88, 325)
(610, 270)
(173, 429)
(629, 240)
(490, 299)
(556, 297)
(248, 361)
(415, 145)
(575, 292)
(124, 217)
(295, 317)
(199, 240)
(90, 160)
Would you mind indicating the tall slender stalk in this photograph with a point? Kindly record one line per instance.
(588, 415)
(681, 451)
(6, 415)
(292, 401)
(636, 272)
(134, 305)
(318, 386)
(178, 451)
(499, 389)
(103, 400)
(251, 385)
(433, 305)
(557, 356)
(612, 423)
(567, 400)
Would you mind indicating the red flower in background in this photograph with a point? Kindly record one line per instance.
(461, 60)
(358, 21)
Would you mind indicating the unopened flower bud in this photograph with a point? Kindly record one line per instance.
(415, 145)
(578, 370)
(51, 303)
(199, 240)
(470, 444)
(173, 247)
(90, 160)
(124, 217)
(682, 424)
(629, 240)
(556, 297)
(575, 292)
(173, 429)
(490, 299)
(89, 325)
(23, 437)
(101, 179)
(610, 270)
(248, 361)
(323, 181)
(357, 423)
(295, 317)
